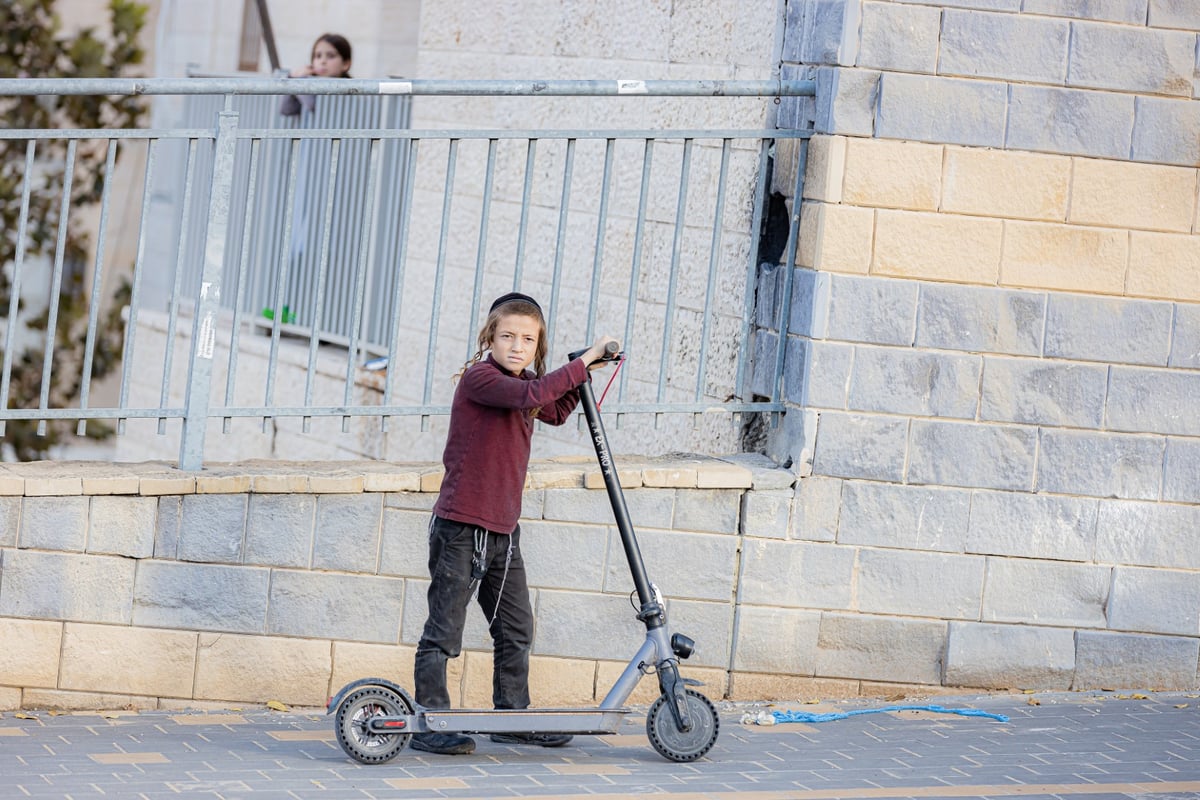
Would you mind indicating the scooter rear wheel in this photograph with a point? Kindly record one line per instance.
(350, 723)
(677, 745)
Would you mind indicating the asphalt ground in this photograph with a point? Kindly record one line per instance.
(1096, 746)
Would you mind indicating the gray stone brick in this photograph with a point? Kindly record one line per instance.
(1046, 593)
(810, 303)
(981, 5)
(1070, 121)
(650, 508)
(1142, 400)
(711, 510)
(1185, 341)
(901, 381)
(206, 597)
(880, 649)
(709, 624)
(846, 101)
(686, 565)
(532, 502)
(54, 523)
(1033, 526)
(612, 632)
(1128, 661)
(942, 110)
(815, 509)
(355, 608)
(1148, 534)
(1108, 329)
(898, 37)
(10, 519)
(796, 574)
(872, 310)
(1183, 14)
(411, 501)
(776, 640)
(907, 517)
(1164, 131)
(898, 582)
(1181, 473)
(766, 513)
(1101, 464)
(1009, 656)
(765, 473)
(279, 530)
(828, 33)
(570, 556)
(1011, 48)
(818, 373)
(212, 528)
(762, 371)
(122, 526)
(1037, 392)
(1155, 601)
(981, 319)
(405, 547)
(67, 586)
(1152, 61)
(166, 527)
(1131, 11)
(860, 446)
(970, 454)
(348, 532)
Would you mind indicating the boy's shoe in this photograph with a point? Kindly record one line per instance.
(446, 744)
(539, 739)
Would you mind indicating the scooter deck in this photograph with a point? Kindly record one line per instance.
(580, 721)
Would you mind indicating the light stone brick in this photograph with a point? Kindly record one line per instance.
(1101, 464)
(139, 661)
(882, 173)
(280, 484)
(347, 532)
(756, 687)
(1164, 265)
(775, 640)
(553, 682)
(1042, 392)
(1185, 337)
(54, 523)
(836, 238)
(668, 477)
(908, 517)
(1004, 183)
(1009, 656)
(279, 530)
(1155, 601)
(11, 486)
(392, 482)
(35, 661)
(57, 700)
(201, 596)
(796, 574)
(879, 648)
(10, 699)
(156, 487)
(431, 481)
(719, 474)
(1032, 526)
(1072, 258)
(1181, 472)
(404, 550)
(629, 478)
(355, 660)
(870, 309)
(1028, 49)
(98, 485)
(166, 527)
(411, 500)
(933, 108)
(321, 605)
(1148, 534)
(613, 632)
(826, 167)
(938, 247)
(1154, 62)
(815, 509)
(692, 565)
(553, 479)
(972, 455)
(870, 446)
(53, 487)
(1110, 330)
(895, 582)
(1081, 122)
(1120, 194)
(212, 528)
(766, 513)
(10, 520)
(67, 586)
(1144, 400)
(223, 484)
(122, 526)
(652, 508)
(568, 556)
(708, 510)
(899, 38)
(1128, 11)
(1045, 593)
(335, 484)
(906, 382)
(262, 668)
(1106, 660)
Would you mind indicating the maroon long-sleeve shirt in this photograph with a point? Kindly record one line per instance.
(487, 449)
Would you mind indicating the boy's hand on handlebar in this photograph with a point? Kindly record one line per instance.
(601, 352)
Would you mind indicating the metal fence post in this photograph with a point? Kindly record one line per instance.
(204, 332)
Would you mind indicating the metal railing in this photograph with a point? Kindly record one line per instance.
(652, 233)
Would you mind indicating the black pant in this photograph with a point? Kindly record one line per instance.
(504, 598)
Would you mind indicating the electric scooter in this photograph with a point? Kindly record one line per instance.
(374, 718)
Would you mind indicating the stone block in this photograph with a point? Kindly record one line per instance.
(166, 527)
(899, 38)
(1142, 400)
(861, 446)
(1040, 392)
(354, 660)
(1154, 601)
(1101, 464)
(1119, 194)
(980, 319)
(1043, 256)
(612, 632)
(1153, 61)
(766, 513)
(10, 520)
(1032, 526)
(1129, 11)
(846, 101)
(1181, 472)
(1108, 329)
(709, 510)
(52, 486)
(12, 486)
(1162, 131)
(1174, 14)
(347, 532)
(796, 574)
(669, 477)
(765, 472)
(811, 292)
(1070, 121)
(815, 509)
(411, 501)
(122, 526)
(697, 566)
(280, 484)
(835, 238)
(651, 508)
(721, 474)
(1185, 340)
(897, 582)
(223, 484)
(568, 556)
(927, 384)
(972, 455)
(258, 669)
(212, 528)
(1164, 265)
(118, 659)
(930, 108)
(817, 374)
(1009, 656)
(110, 484)
(35, 661)
(151, 486)
(405, 547)
(879, 648)
(904, 517)
(279, 530)
(67, 586)
(54, 523)
(757, 687)
(871, 310)
(10, 699)
(825, 169)
(882, 173)
(827, 32)
(201, 597)
(1148, 534)
(939, 247)
(709, 624)
(1106, 660)
(1006, 183)
(1026, 49)
(1045, 593)
(392, 482)
(312, 605)
(54, 699)
(776, 640)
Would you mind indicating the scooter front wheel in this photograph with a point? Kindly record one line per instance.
(677, 745)
(356, 740)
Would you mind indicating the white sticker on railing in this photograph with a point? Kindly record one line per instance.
(395, 87)
(208, 335)
(631, 87)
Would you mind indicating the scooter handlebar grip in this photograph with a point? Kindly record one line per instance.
(611, 351)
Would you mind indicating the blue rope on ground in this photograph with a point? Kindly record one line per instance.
(805, 716)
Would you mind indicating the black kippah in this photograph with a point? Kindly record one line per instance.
(507, 298)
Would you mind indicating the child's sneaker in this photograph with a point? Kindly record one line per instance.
(539, 739)
(446, 744)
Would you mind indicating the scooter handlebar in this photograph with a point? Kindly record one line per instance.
(612, 352)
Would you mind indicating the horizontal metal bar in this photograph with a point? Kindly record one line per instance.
(510, 133)
(90, 413)
(358, 86)
(107, 133)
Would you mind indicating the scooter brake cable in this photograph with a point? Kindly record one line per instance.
(611, 378)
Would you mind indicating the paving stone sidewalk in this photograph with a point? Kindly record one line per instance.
(1097, 746)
